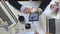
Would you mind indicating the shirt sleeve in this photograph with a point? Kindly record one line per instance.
(22, 8)
(44, 4)
(15, 4)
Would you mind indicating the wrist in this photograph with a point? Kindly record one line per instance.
(40, 9)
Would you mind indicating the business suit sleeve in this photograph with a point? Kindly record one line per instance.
(15, 4)
(44, 4)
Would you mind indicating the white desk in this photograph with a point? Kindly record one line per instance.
(48, 13)
(16, 12)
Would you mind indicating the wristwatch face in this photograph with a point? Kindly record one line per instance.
(33, 17)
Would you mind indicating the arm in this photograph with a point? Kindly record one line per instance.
(20, 7)
(44, 4)
(15, 4)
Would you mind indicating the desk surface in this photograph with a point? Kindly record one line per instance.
(16, 12)
(34, 5)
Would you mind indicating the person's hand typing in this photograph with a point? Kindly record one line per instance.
(27, 10)
(36, 10)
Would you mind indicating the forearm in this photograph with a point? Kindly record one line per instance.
(15, 4)
(44, 4)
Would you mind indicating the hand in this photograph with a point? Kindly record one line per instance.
(47, 33)
(36, 32)
(27, 10)
(37, 10)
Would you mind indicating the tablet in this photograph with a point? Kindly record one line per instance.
(33, 17)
